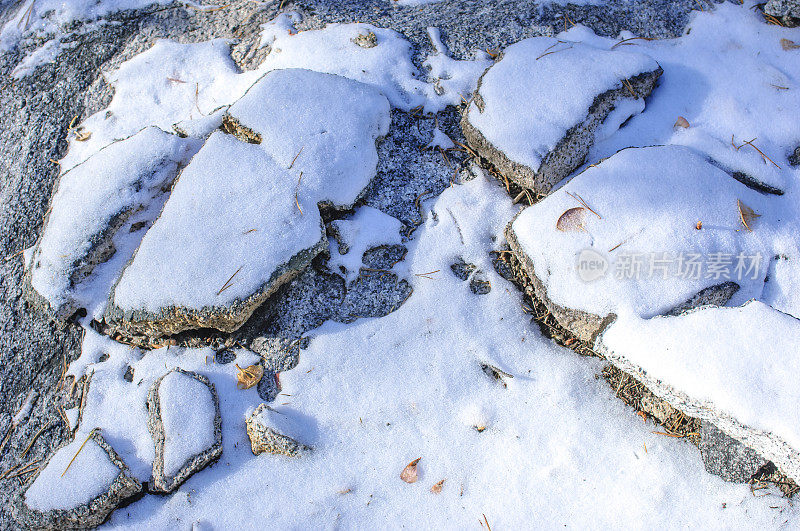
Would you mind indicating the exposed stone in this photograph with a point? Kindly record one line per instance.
(264, 438)
(546, 159)
(94, 465)
(726, 457)
(783, 8)
(384, 256)
(366, 40)
(478, 283)
(184, 421)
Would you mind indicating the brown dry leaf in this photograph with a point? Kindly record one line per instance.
(787, 45)
(249, 376)
(409, 473)
(746, 215)
(572, 220)
(681, 122)
(437, 488)
(83, 136)
(699, 225)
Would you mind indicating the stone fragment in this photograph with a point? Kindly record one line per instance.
(265, 438)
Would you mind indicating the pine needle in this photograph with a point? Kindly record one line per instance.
(79, 450)
(228, 283)
(33, 439)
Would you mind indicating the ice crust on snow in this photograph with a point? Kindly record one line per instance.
(89, 476)
(187, 412)
(257, 203)
(541, 88)
(90, 202)
(650, 200)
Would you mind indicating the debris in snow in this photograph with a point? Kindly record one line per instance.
(184, 421)
(249, 376)
(537, 110)
(78, 487)
(264, 437)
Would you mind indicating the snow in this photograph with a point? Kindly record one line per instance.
(724, 77)
(187, 412)
(452, 79)
(322, 125)
(25, 409)
(544, 86)
(650, 200)
(735, 360)
(440, 140)
(367, 228)
(318, 135)
(118, 180)
(185, 83)
(376, 394)
(90, 475)
(227, 190)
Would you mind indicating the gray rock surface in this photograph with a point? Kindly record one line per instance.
(783, 8)
(265, 438)
(91, 514)
(726, 457)
(36, 111)
(163, 481)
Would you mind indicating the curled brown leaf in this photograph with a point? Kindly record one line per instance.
(787, 45)
(746, 215)
(681, 122)
(409, 473)
(249, 376)
(572, 220)
(437, 488)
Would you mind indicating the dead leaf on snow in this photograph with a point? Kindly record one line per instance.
(681, 122)
(787, 45)
(746, 215)
(409, 473)
(572, 220)
(83, 136)
(437, 488)
(249, 376)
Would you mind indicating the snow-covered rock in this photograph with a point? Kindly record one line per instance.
(538, 110)
(78, 487)
(184, 420)
(262, 430)
(735, 367)
(245, 215)
(664, 232)
(92, 202)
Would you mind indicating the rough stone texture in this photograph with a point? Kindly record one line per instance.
(263, 438)
(726, 457)
(35, 113)
(571, 150)
(384, 256)
(794, 158)
(478, 283)
(783, 8)
(123, 489)
(161, 482)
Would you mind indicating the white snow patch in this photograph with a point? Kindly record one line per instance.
(453, 80)
(90, 475)
(367, 228)
(187, 412)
